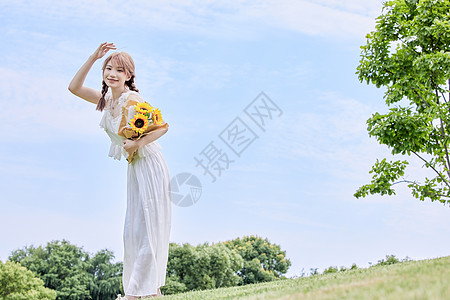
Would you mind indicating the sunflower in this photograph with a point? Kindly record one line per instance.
(156, 116)
(139, 123)
(143, 108)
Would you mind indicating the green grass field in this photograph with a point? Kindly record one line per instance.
(426, 279)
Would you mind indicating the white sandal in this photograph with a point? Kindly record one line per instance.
(119, 297)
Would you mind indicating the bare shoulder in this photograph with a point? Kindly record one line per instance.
(132, 98)
(135, 96)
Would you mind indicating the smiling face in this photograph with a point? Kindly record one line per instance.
(117, 69)
(115, 75)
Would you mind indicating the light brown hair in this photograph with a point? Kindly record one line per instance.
(124, 60)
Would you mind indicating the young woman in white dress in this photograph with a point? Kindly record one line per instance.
(148, 217)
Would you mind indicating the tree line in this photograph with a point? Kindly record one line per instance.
(61, 270)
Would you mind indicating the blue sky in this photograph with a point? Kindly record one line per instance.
(202, 63)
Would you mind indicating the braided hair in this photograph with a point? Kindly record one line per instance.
(125, 61)
(131, 85)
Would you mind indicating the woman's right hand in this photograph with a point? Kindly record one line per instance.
(77, 87)
(103, 49)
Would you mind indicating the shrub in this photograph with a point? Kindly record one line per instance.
(263, 261)
(18, 283)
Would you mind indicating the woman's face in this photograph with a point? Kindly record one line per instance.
(115, 76)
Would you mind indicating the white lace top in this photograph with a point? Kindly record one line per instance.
(111, 125)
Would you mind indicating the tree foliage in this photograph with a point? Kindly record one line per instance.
(334, 269)
(236, 262)
(18, 283)
(201, 267)
(390, 260)
(409, 55)
(75, 274)
(263, 261)
(71, 271)
(106, 275)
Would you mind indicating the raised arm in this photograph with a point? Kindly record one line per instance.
(76, 86)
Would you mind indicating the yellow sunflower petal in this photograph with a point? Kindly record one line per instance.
(156, 116)
(139, 123)
(143, 108)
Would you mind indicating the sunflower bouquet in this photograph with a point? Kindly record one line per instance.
(138, 120)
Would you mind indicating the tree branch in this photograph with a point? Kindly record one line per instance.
(423, 100)
(413, 182)
(426, 162)
(443, 96)
(445, 147)
(444, 143)
(449, 89)
(404, 180)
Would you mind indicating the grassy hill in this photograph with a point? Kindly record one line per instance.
(426, 279)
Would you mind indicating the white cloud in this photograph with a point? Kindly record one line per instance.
(282, 212)
(28, 168)
(323, 18)
(334, 124)
(43, 226)
(219, 18)
(333, 135)
(367, 8)
(41, 107)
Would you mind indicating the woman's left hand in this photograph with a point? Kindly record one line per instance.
(130, 146)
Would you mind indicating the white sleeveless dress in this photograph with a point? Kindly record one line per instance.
(149, 210)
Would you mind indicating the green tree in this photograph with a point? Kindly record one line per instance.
(18, 283)
(409, 55)
(390, 260)
(107, 276)
(334, 269)
(331, 269)
(263, 261)
(201, 267)
(71, 271)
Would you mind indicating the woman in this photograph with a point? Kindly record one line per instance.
(148, 216)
